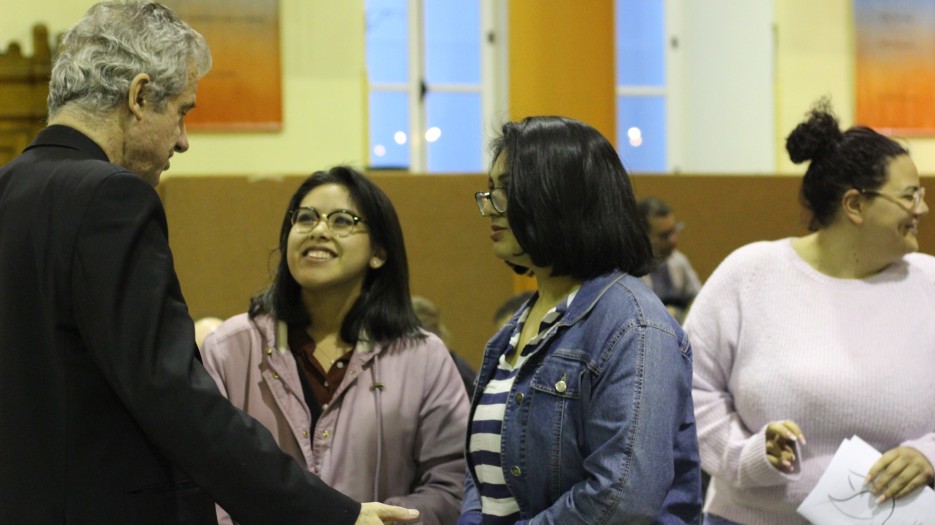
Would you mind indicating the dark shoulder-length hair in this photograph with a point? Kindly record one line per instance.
(569, 199)
(384, 309)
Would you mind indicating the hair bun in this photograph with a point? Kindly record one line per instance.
(816, 137)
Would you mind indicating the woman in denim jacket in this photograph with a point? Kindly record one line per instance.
(583, 411)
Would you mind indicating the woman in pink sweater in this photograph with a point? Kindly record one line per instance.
(803, 342)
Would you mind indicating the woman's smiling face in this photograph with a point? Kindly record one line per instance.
(891, 218)
(321, 261)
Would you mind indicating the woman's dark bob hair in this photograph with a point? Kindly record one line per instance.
(570, 203)
(857, 158)
(384, 309)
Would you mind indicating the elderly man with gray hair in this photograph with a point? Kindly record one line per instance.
(108, 415)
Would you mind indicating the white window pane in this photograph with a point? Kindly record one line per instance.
(389, 129)
(452, 42)
(387, 41)
(640, 37)
(453, 132)
(641, 133)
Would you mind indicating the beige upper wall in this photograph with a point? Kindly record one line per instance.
(816, 56)
(324, 93)
(324, 102)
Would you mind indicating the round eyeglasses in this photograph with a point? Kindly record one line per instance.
(341, 222)
(908, 201)
(497, 198)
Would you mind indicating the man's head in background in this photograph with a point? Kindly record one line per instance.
(661, 225)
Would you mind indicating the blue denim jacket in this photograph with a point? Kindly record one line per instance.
(615, 443)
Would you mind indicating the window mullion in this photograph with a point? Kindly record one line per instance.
(417, 153)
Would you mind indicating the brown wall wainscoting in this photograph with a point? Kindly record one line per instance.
(223, 230)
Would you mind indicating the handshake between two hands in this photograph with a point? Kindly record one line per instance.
(380, 514)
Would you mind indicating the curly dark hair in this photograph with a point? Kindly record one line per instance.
(856, 158)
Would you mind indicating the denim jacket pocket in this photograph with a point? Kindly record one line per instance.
(560, 375)
(558, 387)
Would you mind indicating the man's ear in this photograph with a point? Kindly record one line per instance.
(136, 96)
(852, 203)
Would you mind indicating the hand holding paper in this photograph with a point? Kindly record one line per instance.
(842, 497)
(899, 472)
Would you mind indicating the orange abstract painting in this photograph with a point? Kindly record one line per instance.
(896, 65)
(243, 90)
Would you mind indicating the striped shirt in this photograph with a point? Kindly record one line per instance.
(498, 505)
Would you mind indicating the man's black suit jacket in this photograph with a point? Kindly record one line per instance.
(106, 413)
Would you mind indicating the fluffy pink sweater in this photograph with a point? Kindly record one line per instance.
(774, 339)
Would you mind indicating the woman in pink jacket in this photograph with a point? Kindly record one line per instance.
(331, 360)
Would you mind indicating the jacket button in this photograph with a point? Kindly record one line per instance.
(519, 397)
(305, 433)
(515, 471)
(325, 434)
(269, 351)
(561, 386)
(275, 375)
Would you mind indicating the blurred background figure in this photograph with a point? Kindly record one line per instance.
(506, 310)
(205, 326)
(431, 319)
(672, 279)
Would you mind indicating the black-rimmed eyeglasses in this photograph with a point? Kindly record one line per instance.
(341, 222)
(497, 198)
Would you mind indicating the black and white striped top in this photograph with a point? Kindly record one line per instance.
(498, 505)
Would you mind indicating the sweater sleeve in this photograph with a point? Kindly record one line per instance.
(729, 450)
(926, 442)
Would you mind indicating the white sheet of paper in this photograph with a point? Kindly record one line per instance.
(840, 497)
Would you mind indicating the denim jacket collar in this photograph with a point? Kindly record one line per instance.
(588, 295)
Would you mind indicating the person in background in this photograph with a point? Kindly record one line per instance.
(672, 278)
(109, 417)
(332, 360)
(431, 319)
(509, 308)
(803, 342)
(583, 411)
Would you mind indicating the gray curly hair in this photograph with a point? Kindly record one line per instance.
(114, 42)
